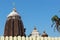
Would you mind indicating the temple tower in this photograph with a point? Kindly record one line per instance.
(35, 33)
(14, 25)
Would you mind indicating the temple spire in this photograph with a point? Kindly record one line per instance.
(35, 32)
(35, 28)
(14, 25)
(14, 4)
(14, 9)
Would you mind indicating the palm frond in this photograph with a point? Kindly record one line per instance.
(52, 24)
(55, 18)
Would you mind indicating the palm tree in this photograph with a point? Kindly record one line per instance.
(56, 22)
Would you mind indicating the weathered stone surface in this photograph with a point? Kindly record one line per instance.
(14, 26)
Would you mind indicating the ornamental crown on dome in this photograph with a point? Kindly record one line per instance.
(13, 13)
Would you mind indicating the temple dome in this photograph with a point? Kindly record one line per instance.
(44, 34)
(13, 13)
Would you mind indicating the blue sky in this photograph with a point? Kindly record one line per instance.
(33, 13)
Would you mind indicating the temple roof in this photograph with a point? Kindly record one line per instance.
(13, 13)
(35, 32)
(44, 34)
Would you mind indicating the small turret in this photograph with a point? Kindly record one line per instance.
(44, 34)
(34, 33)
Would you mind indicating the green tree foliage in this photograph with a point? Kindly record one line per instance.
(56, 21)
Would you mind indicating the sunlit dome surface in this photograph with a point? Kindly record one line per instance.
(13, 13)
